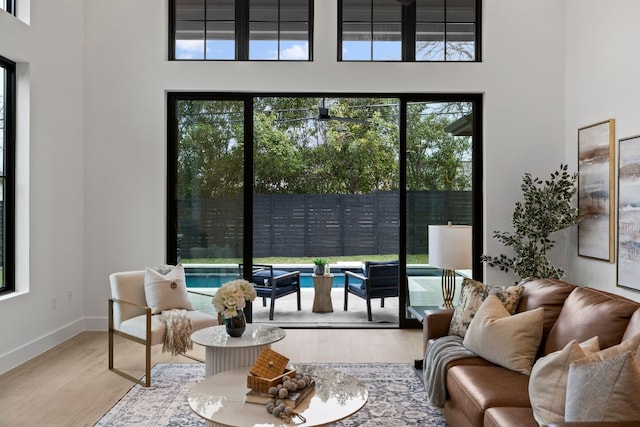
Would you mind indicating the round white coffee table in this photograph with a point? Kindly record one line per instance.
(220, 399)
(223, 352)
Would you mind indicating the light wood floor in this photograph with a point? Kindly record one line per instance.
(70, 384)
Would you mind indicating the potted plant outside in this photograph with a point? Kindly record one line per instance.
(320, 267)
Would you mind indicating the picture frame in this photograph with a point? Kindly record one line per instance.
(628, 267)
(596, 187)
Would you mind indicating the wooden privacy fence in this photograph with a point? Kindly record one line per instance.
(312, 225)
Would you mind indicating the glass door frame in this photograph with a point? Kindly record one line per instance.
(477, 173)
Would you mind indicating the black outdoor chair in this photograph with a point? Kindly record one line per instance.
(270, 283)
(379, 280)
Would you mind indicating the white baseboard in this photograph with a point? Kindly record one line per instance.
(38, 346)
(96, 323)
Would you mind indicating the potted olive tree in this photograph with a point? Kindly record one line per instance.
(320, 266)
(548, 207)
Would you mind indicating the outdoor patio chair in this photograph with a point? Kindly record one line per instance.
(378, 280)
(273, 284)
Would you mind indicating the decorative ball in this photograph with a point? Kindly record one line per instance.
(283, 393)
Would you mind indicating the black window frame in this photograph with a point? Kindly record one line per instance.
(171, 250)
(242, 33)
(10, 7)
(7, 281)
(408, 33)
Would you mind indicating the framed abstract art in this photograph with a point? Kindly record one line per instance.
(596, 187)
(629, 212)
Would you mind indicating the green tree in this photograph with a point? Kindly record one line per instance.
(210, 152)
(436, 160)
(296, 153)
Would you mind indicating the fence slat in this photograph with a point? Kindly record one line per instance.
(314, 225)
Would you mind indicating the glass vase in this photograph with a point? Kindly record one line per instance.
(236, 325)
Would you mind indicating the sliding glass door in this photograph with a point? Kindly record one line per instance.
(442, 187)
(286, 179)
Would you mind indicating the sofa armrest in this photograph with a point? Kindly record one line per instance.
(435, 325)
(596, 424)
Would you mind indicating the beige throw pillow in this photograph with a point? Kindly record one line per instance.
(472, 294)
(164, 292)
(510, 341)
(605, 386)
(548, 382)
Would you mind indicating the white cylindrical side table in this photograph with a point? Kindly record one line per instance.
(224, 352)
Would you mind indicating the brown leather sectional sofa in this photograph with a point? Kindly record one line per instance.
(480, 393)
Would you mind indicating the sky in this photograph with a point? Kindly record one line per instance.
(289, 50)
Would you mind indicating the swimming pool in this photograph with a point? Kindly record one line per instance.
(215, 280)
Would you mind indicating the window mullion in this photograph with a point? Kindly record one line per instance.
(409, 32)
(242, 30)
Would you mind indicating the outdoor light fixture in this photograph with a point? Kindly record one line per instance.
(450, 250)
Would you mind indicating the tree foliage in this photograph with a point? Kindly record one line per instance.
(295, 153)
(548, 207)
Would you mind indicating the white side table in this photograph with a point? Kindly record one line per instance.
(322, 293)
(223, 352)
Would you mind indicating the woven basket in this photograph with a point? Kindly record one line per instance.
(268, 371)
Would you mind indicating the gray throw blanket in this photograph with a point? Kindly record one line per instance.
(442, 351)
(177, 334)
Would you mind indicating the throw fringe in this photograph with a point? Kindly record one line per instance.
(442, 351)
(177, 334)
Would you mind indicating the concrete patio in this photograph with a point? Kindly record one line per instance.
(424, 291)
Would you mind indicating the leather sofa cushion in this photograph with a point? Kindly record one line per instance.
(473, 389)
(634, 326)
(547, 293)
(589, 312)
(509, 417)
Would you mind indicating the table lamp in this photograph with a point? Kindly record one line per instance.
(450, 250)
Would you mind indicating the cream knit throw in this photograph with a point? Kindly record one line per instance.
(177, 334)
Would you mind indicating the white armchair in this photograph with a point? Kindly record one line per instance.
(131, 317)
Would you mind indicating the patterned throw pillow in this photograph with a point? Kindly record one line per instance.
(472, 296)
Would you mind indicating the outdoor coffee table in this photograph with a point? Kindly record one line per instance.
(223, 352)
(220, 399)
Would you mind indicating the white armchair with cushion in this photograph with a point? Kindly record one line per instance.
(137, 300)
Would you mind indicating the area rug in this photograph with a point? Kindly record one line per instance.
(396, 398)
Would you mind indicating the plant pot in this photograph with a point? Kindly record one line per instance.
(318, 270)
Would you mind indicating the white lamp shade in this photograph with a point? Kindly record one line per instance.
(450, 247)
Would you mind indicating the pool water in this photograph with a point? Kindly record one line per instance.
(212, 280)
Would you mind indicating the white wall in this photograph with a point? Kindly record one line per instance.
(50, 254)
(98, 142)
(602, 65)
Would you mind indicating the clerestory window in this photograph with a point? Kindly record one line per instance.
(241, 30)
(409, 30)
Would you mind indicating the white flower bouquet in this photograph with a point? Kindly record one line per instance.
(232, 296)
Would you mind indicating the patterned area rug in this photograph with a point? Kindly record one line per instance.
(396, 398)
